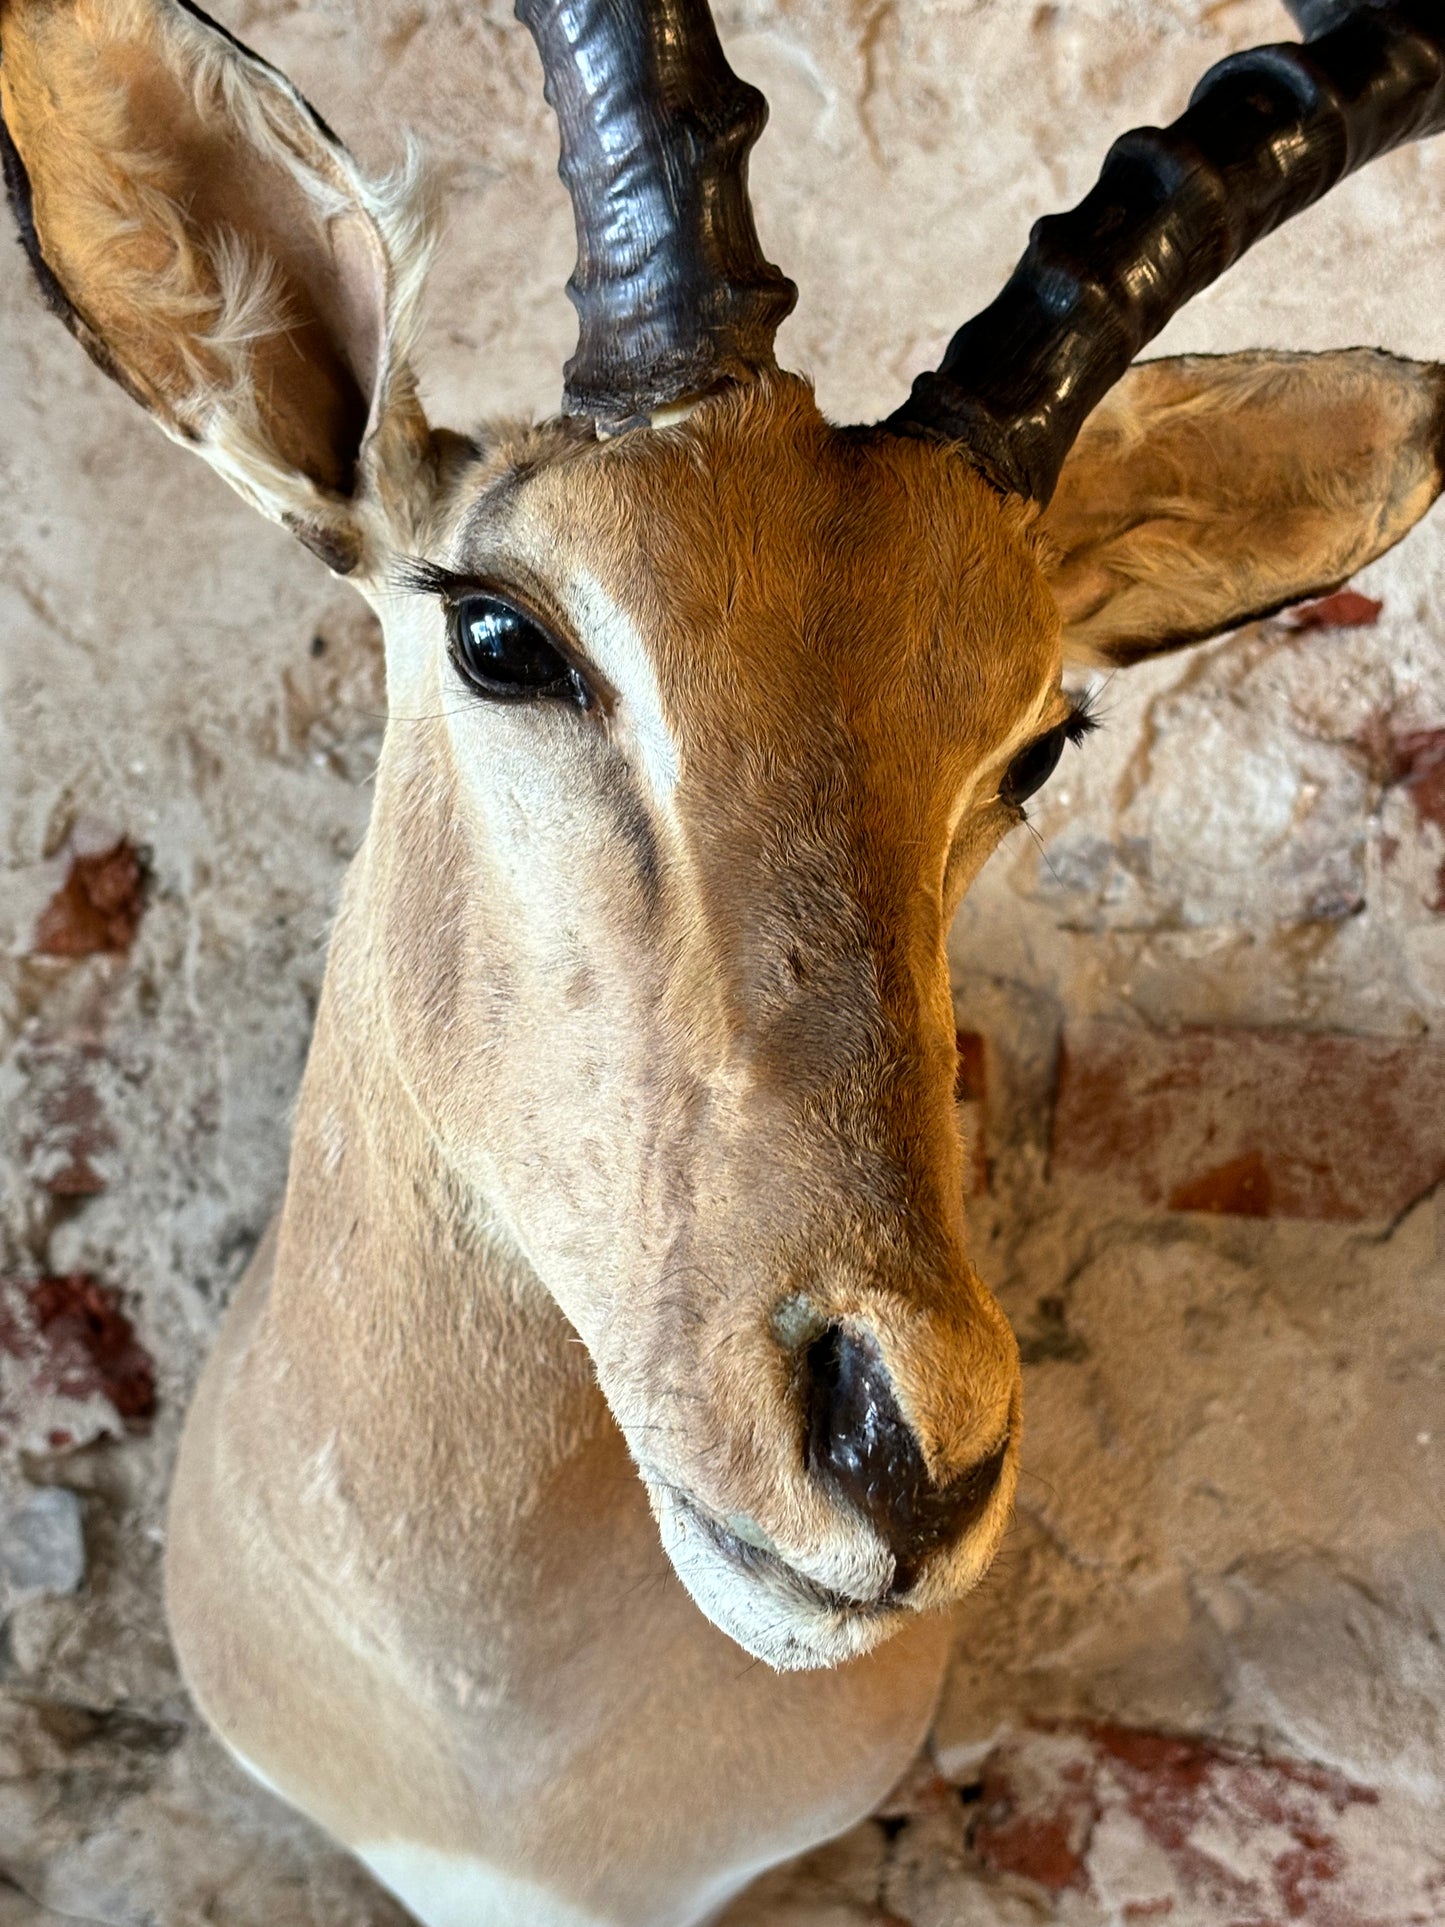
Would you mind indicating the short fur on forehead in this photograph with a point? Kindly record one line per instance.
(753, 536)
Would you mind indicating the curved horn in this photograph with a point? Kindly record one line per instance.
(672, 291)
(1266, 134)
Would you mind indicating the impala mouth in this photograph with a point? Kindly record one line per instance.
(757, 1562)
(767, 1606)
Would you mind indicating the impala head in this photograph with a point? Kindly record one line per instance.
(706, 712)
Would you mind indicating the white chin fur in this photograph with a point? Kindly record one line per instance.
(769, 1617)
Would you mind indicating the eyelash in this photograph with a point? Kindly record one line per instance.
(414, 575)
(1083, 718)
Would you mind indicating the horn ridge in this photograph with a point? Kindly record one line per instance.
(1266, 134)
(673, 293)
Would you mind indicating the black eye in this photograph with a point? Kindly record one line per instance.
(1033, 767)
(502, 652)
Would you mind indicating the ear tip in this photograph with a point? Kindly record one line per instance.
(338, 547)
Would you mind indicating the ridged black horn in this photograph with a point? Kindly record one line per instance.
(1265, 135)
(671, 288)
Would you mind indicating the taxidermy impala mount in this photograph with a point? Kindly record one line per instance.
(636, 1028)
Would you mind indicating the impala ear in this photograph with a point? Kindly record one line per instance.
(218, 253)
(1207, 491)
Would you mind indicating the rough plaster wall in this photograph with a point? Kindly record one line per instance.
(1230, 1528)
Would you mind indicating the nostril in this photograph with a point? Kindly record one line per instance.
(858, 1440)
(860, 1444)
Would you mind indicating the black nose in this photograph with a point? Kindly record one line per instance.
(860, 1444)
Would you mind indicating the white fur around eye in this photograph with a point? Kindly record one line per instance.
(611, 639)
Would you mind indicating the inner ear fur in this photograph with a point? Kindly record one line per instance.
(1208, 491)
(214, 248)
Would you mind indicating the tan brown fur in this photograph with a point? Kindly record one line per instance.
(1206, 490)
(396, 1298)
(814, 820)
(634, 1063)
(223, 257)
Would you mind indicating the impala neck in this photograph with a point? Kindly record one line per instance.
(409, 1331)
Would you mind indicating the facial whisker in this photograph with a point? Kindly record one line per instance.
(1043, 852)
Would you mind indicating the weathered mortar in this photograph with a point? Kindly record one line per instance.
(1230, 1530)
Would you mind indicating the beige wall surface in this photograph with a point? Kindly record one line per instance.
(1208, 1675)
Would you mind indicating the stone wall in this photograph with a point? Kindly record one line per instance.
(1203, 1010)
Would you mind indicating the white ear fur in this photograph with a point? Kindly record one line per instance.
(219, 253)
(1207, 491)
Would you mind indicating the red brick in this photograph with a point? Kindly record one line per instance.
(73, 1341)
(98, 907)
(970, 1093)
(970, 1084)
(1252, 1837)
(1253, 1123)
(1241, 1188)
(1187, 1794)
(1044, 1845)
(1345, 609)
